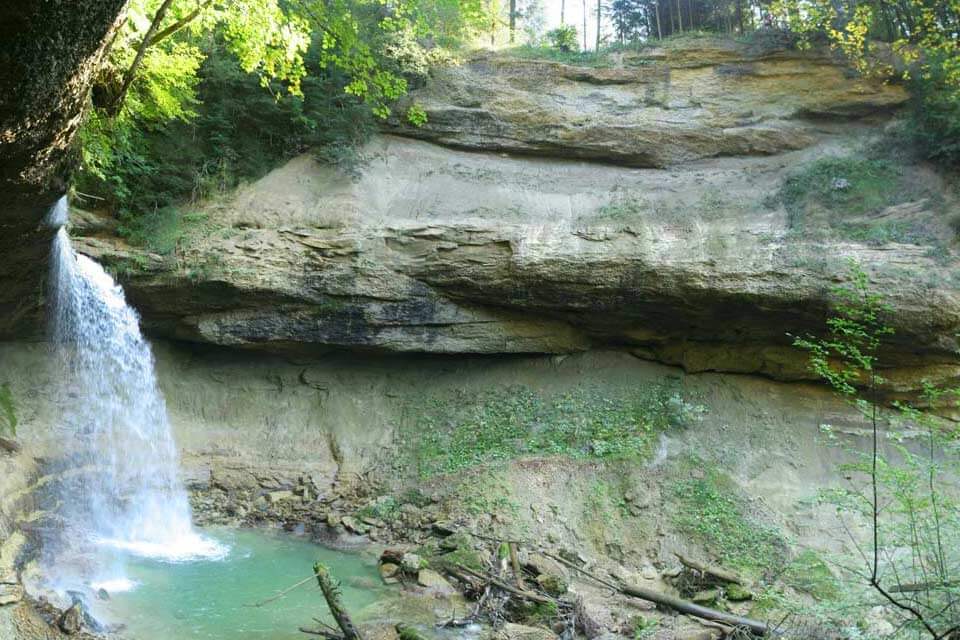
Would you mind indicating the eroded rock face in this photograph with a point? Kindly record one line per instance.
(447, 252)
(49, 53)
(692, 99)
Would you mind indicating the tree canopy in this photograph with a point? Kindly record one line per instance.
(197, 88)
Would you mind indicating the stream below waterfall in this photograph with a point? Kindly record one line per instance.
(211, 599)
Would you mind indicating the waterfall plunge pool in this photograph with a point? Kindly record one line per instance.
(209, 599)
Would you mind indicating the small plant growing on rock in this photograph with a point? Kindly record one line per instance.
(8, 413)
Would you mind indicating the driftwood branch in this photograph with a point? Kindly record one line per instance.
(911, 587)
(677, 604)
(280, 594)
(708, 570)
(535, 597)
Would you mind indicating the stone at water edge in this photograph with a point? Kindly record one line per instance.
(390, 573)
(432, 580)
(411, 563)
(354, 526)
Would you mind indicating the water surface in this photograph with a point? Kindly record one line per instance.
(208, 599)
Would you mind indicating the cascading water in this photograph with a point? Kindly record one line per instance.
(120, 489)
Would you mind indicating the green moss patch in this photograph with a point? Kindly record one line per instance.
(709, 508)
(450, 433)
(843, 197)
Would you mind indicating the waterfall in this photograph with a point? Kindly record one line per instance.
(120, 489)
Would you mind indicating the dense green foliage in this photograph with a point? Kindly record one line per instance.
(917, 40)
(936, 111)
(563, 38)
(196, 97)
(471, 429)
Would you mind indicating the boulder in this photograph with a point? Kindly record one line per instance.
(411, 563)
(273, 497)
(354, 526)
(71, 620)
(552, 583)
(390, 573)
(541, 564)
(434, 581)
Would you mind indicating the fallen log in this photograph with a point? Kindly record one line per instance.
(677, 604)
(331, 592)
(911, 587)
(708, 570)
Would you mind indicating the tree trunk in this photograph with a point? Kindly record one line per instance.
(679, 17)
(179, 24)
(141, 50)
(740, 15)
(656, 8)
(563, 8)
(513, 20)
(599, 9)
(584, 3)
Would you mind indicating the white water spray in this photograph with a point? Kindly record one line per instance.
(124, 492)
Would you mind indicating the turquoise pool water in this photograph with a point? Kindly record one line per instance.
(209, 600)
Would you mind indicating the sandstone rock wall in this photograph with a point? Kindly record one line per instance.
(686, 100)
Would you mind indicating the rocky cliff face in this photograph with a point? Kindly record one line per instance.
(433, 250)
(687, 100)
(49, 54)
